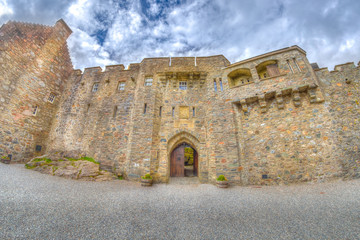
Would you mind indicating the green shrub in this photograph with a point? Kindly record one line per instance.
(147, 176)
(5, 157)
(221, 178)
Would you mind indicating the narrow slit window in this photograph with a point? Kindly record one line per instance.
(145, 106)
(121, 86)
(51, 97)
(215, 87)
(160, 111)
(290, 67)
(173, 111)
(193, 112)
(183, 85)
(297, 65)
(148, 81)
(88, 107)
(35, 110)
(115, 111)
(221, 86)
(95, 87)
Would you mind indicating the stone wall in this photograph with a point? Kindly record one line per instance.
(34, 63)
(270, 119)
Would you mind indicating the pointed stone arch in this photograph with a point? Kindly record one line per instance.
(182, 137)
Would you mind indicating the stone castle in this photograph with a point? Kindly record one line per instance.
(270, 119)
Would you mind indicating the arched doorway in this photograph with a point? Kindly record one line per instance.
(184, 161)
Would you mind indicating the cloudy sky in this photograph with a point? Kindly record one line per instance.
(109, 32)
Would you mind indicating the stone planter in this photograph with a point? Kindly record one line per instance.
(222, 184)
(146, 182)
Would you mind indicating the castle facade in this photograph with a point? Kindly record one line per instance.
(270, 119)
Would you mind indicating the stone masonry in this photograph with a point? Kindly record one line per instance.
(270, 119)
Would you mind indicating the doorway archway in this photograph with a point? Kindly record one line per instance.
(184, 161)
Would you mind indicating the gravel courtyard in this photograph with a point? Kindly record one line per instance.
(39, 206)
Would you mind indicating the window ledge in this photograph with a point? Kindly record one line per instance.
(280, 75)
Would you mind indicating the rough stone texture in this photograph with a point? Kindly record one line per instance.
(270, 119)
(80, 169)
(34, 62)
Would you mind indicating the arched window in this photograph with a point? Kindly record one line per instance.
(240, 77)
(268, 69)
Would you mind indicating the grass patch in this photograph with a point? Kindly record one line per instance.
(27, 166)
(120, 177)
(89, 159)
(47, 160)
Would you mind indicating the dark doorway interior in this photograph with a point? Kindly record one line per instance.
(184, 161)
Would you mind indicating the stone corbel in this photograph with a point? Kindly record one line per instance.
(279, 100)
(262, 103)
(296, 97)
(244, 105)
(315, 94)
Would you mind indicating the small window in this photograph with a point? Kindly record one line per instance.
(193, 111)
(215, 87)
(297, 65)
(38, 148)
(34, 110)
(95, 87)
(160, 111)
(290, 67)
(51, 97)
(183, 85)
(88, 107)
(173, 111)
(148, 81)
(145, 106)
(221, 86)
(115, 111)
(121, 86)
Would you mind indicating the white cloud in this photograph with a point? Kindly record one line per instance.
(112, 32)
(5, 9)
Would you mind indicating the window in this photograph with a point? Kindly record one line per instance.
(121, 86)
(238, 77)
(183, 85)
(268, 69)
(51, 97)
(38, 148)
(173, 111)
(297, 65)
(193, 111)
(221, 86)
(145, 106)
(215, 87)
(160, 111)
(95, 87)
(148, 81)
(34, 110)
(290, 67)
(88, 107)
(115, 111)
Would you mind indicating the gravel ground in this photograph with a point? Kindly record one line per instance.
(38, 206)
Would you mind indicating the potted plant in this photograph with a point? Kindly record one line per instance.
(5, 159)
(222, 182)
(146, 180)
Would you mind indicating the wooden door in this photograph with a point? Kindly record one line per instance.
(196, 164)
(177, 162)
